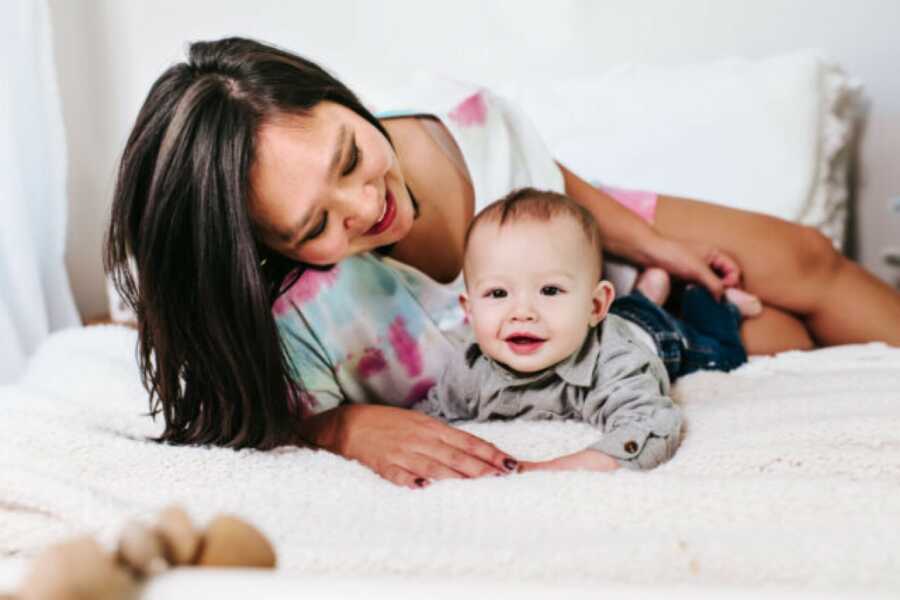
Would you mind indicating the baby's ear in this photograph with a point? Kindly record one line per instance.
(464, 302)
(601, 300)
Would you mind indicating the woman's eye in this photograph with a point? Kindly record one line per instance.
(318, 230)
(550, 290)
(355, 158)
(496, 294)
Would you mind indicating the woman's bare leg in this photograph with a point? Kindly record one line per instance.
(774, 331)
(793, 268)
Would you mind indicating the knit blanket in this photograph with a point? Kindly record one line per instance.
(788, 475)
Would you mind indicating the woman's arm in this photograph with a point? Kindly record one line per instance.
(624, 233)
(405, 447)
(627, 235)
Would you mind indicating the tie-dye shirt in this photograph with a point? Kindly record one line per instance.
(374, 330)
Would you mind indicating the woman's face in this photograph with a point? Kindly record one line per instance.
(326, 186)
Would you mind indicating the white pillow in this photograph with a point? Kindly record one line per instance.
(767, 135)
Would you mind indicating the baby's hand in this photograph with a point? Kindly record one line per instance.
(586, 460)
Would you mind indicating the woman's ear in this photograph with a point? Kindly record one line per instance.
(601, 299)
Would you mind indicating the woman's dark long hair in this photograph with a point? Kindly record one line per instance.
(209, 350)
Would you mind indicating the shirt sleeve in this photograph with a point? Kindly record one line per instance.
(640, 423)
(306, 355)
(452, 397)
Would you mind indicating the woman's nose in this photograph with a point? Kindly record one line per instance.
(360, 207)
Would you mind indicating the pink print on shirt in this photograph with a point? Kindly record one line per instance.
(471, 111)
(419, 391)
(405, 347)
(305, 289)
(372, 362)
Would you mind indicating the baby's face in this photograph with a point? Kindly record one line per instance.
(532, 291)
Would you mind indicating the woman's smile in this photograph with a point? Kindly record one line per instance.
(387, 215)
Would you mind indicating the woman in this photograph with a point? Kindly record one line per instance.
(247, 162)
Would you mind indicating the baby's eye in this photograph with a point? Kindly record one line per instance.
(496, 293)
(551, 290)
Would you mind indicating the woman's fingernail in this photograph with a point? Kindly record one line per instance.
(421, 482)
(510, 464)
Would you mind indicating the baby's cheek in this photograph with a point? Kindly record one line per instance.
(574, 330)
(484, 333)
(486, 329)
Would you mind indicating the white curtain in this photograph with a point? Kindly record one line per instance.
(35, 297)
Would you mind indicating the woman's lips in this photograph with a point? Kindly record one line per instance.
(524, 344)
(390, 211)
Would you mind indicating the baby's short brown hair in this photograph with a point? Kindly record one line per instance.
(539, 205)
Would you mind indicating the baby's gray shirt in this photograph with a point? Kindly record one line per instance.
(613, 382)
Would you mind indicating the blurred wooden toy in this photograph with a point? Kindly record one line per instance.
(231, 542)
(181, 540)
(80, 569)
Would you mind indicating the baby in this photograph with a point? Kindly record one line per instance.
(550, 342)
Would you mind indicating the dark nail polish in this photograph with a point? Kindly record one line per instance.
(510, 464)
(421, 482)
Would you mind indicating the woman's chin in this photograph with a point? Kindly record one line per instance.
(401, 226)
(386, 241)
(399, 229)
(404, 224)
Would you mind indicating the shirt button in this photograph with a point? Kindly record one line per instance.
(631, 447)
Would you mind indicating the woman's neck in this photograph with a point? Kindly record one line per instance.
(434, 244)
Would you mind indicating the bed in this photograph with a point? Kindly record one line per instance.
(788, 477)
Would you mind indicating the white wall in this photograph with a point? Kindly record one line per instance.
(108, 53)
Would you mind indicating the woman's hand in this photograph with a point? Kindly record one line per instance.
(586, 460)
(713, 269)
(405, 447)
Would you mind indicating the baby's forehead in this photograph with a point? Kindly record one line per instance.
(539, 230)
(541, 235)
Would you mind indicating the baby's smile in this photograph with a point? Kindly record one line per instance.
(524, 343)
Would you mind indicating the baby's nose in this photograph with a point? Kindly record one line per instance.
(524, 312)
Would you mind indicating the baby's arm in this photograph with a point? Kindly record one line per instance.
(585, 460)
(642, 426)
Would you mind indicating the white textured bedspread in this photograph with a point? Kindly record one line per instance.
(789, 475)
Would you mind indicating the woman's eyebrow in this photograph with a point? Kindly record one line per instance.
(300, 226)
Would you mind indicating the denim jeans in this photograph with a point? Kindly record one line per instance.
(705, 336)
